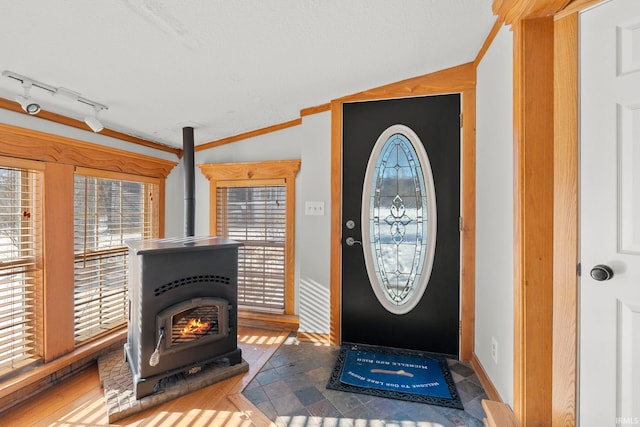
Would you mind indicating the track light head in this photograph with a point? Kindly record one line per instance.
(25, 100)
(28, 105)
(93, 122)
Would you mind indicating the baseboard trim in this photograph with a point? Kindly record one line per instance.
(313, 337)
(488, 386)
(498, 414)
(277, 322)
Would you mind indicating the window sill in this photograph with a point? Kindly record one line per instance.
(22, 386)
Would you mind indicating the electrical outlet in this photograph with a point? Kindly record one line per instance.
(314, 208)
(494, 350)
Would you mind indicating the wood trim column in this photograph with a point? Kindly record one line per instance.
(58, 253)
(468, 237)
(565, 223)
(533, 222)
(335, 276)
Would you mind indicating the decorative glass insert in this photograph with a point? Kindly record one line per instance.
(399, 219)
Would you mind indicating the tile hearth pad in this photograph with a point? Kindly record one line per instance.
(117, 382)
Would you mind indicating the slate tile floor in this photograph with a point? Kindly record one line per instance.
(291, 390)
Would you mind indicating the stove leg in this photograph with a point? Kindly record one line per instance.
(143, 388)
(235, 357)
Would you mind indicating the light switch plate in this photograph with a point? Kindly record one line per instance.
(314, 208)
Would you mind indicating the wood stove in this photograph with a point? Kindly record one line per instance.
(182, 307)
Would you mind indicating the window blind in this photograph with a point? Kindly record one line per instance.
(256, 216)
(20, 281)
(107, 213)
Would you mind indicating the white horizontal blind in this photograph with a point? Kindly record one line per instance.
(20, 280)
(108, 212)
(256, 216)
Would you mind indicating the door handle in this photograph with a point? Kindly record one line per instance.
(350, 241)
(601, 273)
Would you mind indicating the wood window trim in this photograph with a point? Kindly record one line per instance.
(44, 147)
(461, 79)
(255, 173)
(58, 258)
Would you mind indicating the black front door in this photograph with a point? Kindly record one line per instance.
(433, 324)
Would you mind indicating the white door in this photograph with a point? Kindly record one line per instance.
(609, 347)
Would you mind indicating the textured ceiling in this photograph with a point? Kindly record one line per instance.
(226, 66)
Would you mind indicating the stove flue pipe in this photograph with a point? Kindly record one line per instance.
(189, 182)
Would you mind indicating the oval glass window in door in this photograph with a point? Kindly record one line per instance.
(399, 219)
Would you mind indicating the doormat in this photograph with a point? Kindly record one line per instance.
(395, 374)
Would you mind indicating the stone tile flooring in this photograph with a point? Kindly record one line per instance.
(291, 390)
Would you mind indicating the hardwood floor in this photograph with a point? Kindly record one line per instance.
(79, 401)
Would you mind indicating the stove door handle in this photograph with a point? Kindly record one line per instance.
(155, 357)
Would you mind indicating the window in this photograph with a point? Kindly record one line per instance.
(399, 211)
(37, 290)
(20, 260)
(256, 216)
(254, 203)
(109, 210)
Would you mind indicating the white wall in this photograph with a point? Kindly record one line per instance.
(311, 143)
(494, 213)
(174, 202)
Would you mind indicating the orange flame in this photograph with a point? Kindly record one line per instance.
(195, 326)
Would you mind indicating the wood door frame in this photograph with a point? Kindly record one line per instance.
(461, 79)
(565, 223)
(566, 213)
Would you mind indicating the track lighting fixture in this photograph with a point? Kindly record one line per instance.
(33, 107)
(25, 100)
(92, 121)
